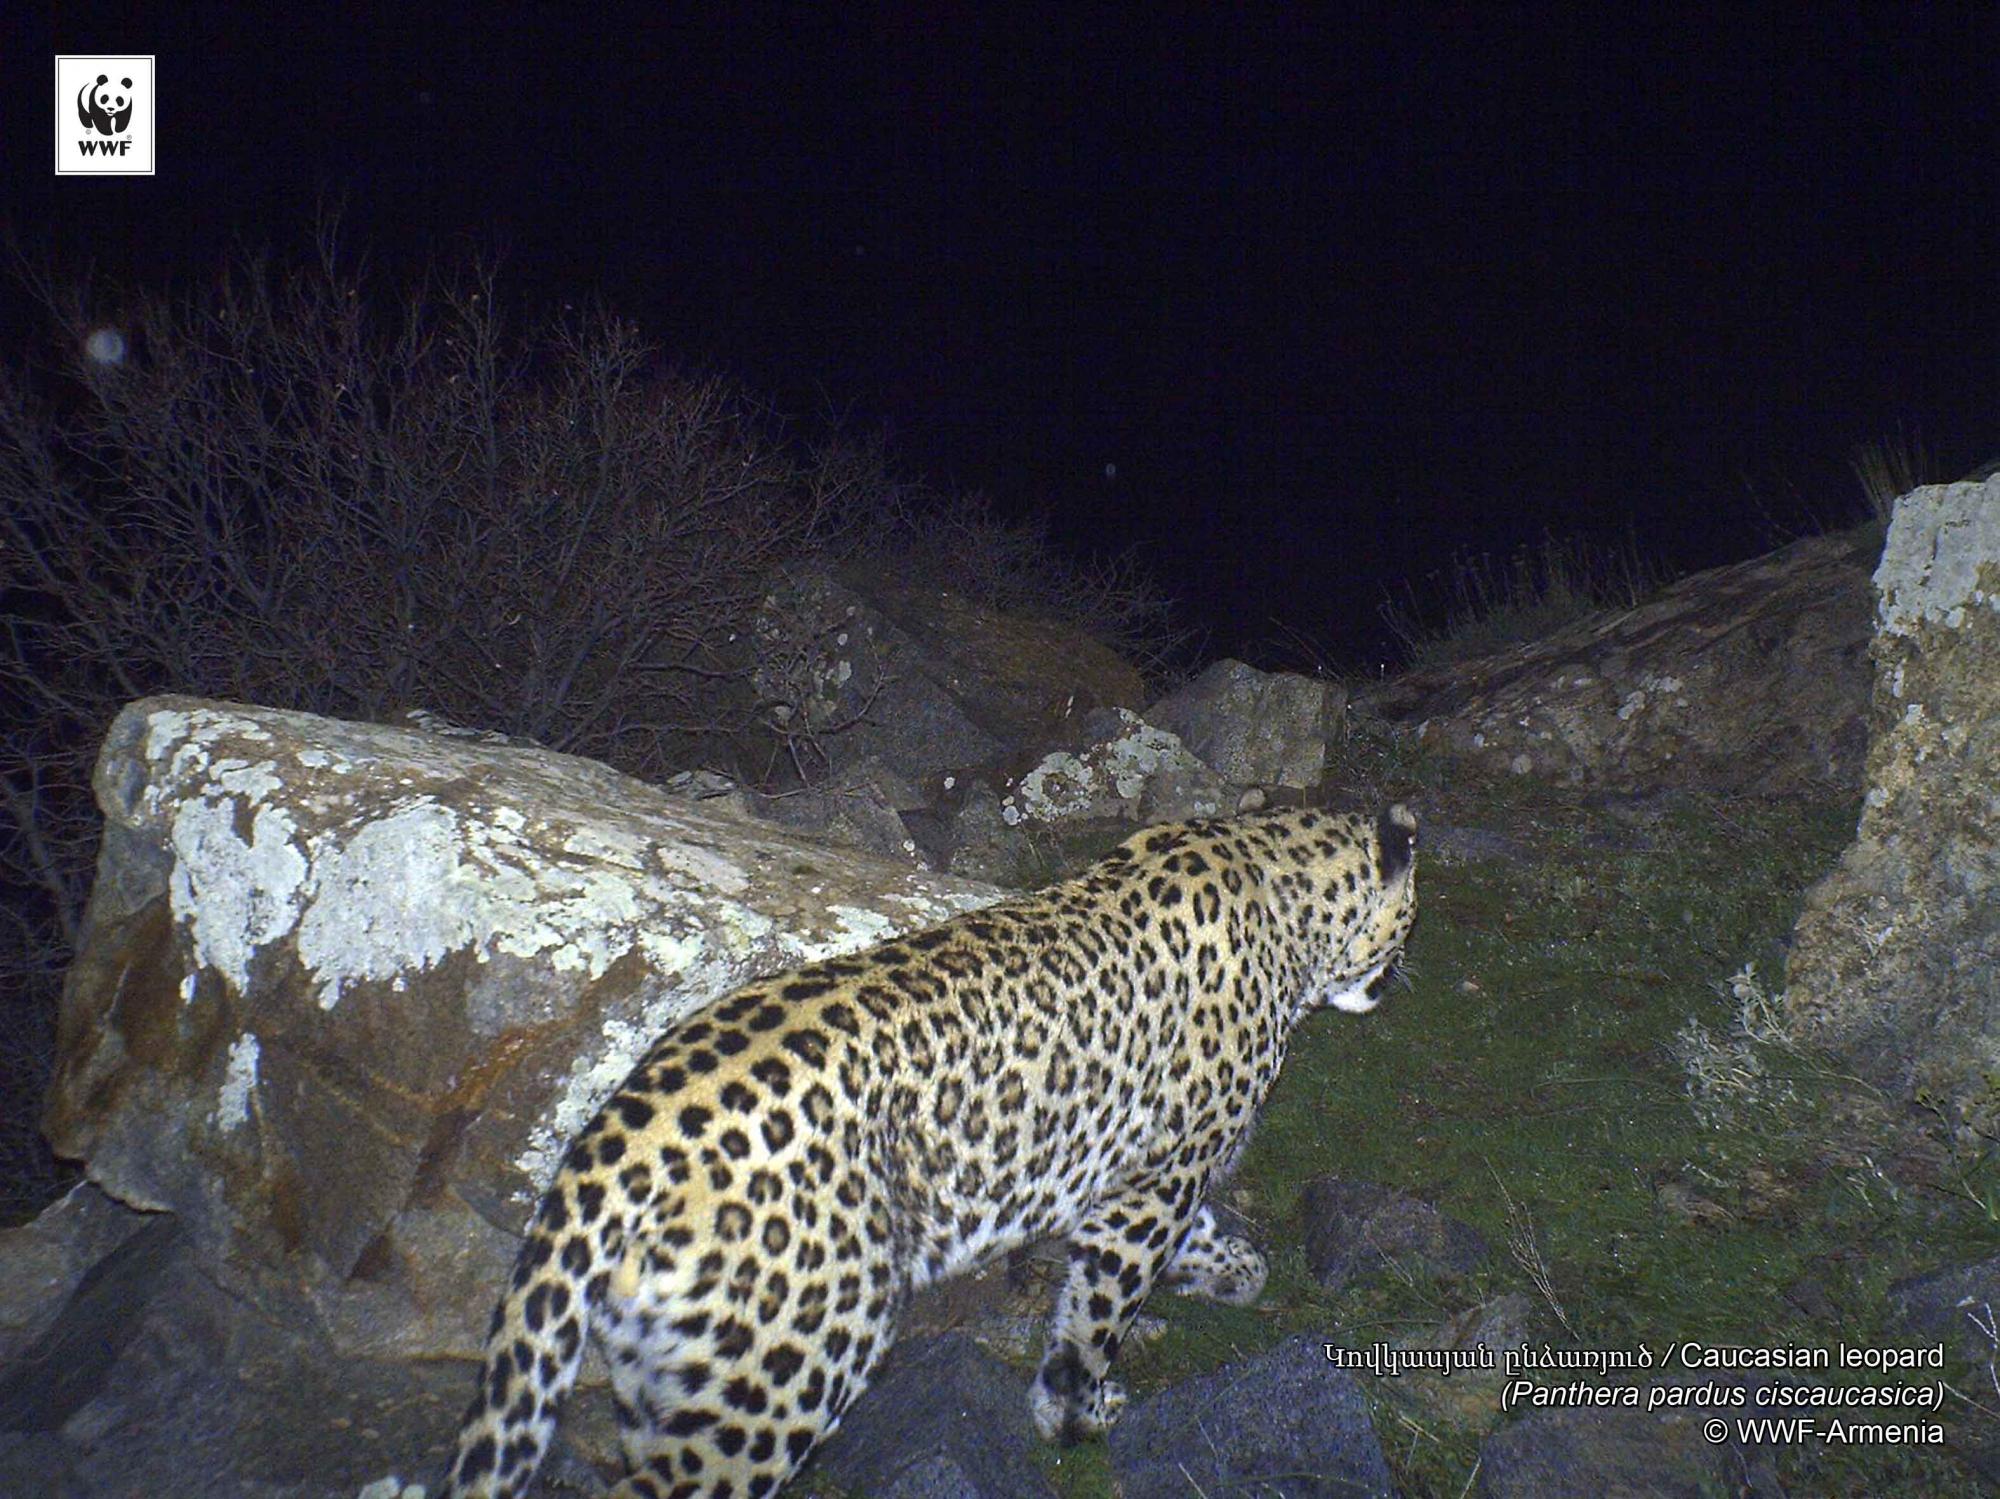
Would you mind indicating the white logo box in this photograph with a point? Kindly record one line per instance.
(104, 116)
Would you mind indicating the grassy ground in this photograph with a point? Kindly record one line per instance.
(1533, 1081)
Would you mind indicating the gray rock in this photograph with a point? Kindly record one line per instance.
(1959, 1306)
(42, 1261)
(1125, 768)
(164, 1385)
(1893, 964)
(942, 1419)
(67, 1366)
(922, 678)
(37, 1462)
(1622, 1453)
(1254, 728)
(1283, 1425)
(1956, 1306)
(862, 805)
(1355, 1228)
(985, 845)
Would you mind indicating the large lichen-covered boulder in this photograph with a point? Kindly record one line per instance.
(1896, 960)
(345, 990)
(1750, 678)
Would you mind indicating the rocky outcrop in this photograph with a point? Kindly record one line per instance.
(865, 804)
(1896, 960)
(44, 1260)
(156, 1381)
(345, 991)
(1745, 678)
(1954, 1305)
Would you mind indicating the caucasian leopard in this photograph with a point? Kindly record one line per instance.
(741, 1222)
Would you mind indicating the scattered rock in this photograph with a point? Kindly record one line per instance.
(942, 1419)
(1956, 1306)
(1893, 962)
(985, 845)
(1629, 1453)
(1283, 1423)
(922, 678)
(1355, 1228)
(1468, 1396)
(162, 1384)
(1126, 769)
(863, 805)
(67, 1366)
(41, 1262)
(1254, 728)
(710, 787)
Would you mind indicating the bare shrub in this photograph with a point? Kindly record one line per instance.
(1748, 1067)
(1485, 606)
(1008, 564)
(1890, 467)
(275, 496)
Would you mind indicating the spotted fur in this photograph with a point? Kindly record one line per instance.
(743, 1219)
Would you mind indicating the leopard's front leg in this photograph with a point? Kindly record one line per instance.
(1115, 1256)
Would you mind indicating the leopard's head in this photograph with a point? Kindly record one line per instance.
(1365, 926)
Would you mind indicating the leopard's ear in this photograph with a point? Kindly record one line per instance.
(1396, 842)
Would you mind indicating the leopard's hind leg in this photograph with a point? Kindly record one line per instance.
(725, 1383)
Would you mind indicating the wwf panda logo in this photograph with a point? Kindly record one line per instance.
(105, 109)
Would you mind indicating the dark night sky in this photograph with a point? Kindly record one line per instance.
(1338, 294)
